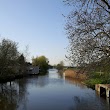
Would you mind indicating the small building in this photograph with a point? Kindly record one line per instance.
(33, 69)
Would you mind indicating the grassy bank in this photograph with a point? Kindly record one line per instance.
(97, 78)
(74, 74)
(89, 79)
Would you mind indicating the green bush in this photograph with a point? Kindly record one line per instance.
(92, 82)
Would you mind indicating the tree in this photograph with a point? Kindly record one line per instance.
(22, 64)
(60, 65)
(8, 57)
(88, 29)
(42, 62)
(83, 5)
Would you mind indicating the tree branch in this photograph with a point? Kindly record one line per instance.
(106, 3)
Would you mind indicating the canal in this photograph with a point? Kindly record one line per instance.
(49, 92)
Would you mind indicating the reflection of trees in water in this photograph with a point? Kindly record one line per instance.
(22, 92)
(75, 82)
(12, 95)
(81, 104)
(60, 74)
(8, 97)
(42, 81)
(86, 103)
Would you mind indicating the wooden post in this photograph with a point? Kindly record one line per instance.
(107, 92)
(64, 75)
(97, 88)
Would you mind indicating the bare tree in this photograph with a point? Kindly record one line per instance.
(88, 30)
(90, 4)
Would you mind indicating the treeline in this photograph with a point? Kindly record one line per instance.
(42, 62)
(13, 63)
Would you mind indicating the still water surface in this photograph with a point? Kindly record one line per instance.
(49, 92)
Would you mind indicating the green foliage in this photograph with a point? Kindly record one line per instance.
(98, 78)
(50, 66)
(21, 59)
(8, 57)
(22, 64)
(60, 66)
(42, 62)
(92, 82)
(11, 61)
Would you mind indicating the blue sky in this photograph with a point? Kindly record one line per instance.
(38, 24)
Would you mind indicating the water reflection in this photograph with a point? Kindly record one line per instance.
(75, 82)
(12, 95)
(8, 97)
(42, 81)
(49, 92)
(81, 103)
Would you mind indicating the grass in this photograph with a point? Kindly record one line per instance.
(97, 78)
(91, 82)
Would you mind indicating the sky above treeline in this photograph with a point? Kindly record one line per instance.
(38, 24)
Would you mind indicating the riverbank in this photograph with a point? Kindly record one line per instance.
(40, 92)
(89, 80)
(74, 74)
(14, 77)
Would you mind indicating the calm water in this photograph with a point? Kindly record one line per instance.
(49, 92)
